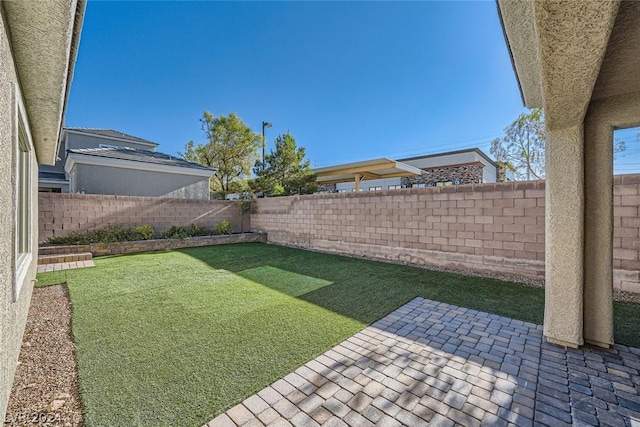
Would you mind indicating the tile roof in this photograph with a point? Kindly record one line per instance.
(144, 156)
(110, 133)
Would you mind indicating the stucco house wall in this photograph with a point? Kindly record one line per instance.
(13, 308)
(74, 140)
(93, 179)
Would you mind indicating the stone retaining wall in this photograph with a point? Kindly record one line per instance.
(100, 249)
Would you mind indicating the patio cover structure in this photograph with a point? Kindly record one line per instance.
(580, 61)
(360, 171)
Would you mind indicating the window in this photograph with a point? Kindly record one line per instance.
(342, 190)
(23, 216)
(444, 183)
(23, 197)
(422, 185)
(395, 187)
(375, 188)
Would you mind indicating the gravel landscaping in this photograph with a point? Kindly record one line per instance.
(45, 388)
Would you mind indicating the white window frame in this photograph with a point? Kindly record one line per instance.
(376, 188)
(395, 187)
(23, 193)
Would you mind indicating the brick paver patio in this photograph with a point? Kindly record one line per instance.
(430, 363)
(60, 266)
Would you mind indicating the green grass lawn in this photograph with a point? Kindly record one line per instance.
(175, 338)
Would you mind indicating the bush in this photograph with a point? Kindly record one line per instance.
(184, 231)
(146, 232)
(223, 227)
(118, 233)
(109, 234)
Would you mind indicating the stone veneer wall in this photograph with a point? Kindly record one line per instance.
(462, 174)
(484, 227)
(61, 214)
(327, 188)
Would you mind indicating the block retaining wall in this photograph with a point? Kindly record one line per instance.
(62, 214)
(101, 249)
(495, 228)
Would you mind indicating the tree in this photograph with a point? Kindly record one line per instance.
(285, 171)
(503, 169)
(522, 149)
(245, 205)
(523, 146)
(231, 149)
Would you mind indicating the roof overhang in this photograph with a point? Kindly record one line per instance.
(110, 138)
(557, 49)
(84, 159)
(369, 169)
(44, 40)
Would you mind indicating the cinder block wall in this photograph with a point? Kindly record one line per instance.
(485, 227)
(626, 232)
(61, 214)
(495, 227)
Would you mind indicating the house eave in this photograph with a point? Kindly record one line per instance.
(44, 39)
(84, 159)
(110, 138)
(518, 26)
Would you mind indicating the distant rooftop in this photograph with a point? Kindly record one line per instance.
(144, 156)
(110, 133)
(449, 153)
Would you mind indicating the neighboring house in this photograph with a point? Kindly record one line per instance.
(470, 166)
(104, 161)
(38, 45)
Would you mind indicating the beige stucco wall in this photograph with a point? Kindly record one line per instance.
(94, 179)
(13, 314)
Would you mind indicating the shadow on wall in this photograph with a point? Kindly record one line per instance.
(62, 214)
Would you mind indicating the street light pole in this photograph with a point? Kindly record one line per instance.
(264, 125)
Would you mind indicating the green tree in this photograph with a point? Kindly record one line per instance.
(231, 149)
(285, 170)
(245, 205)
(522, 149)
(503, 169)
(523, 146)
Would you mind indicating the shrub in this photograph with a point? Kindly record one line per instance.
(244, 205)
(223, 227)
(184, 231)
(146, 232)
(109, 234)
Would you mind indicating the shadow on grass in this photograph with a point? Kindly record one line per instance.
(366, 290)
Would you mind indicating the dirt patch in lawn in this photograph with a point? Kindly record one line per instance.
(45, 388)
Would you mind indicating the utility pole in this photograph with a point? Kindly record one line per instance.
(264, 125)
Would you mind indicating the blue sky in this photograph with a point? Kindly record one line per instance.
(350, 81)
